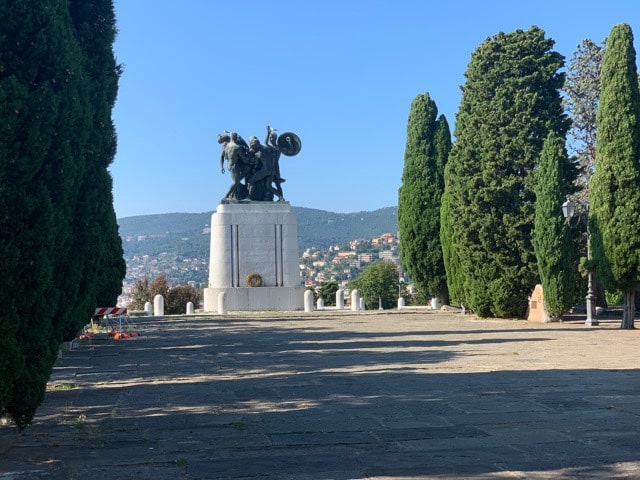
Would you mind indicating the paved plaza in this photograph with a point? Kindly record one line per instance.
(339, 395)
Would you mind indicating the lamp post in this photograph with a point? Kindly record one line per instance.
(569, 210)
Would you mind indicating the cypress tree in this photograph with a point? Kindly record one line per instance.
(53, 224)
(95, 227)
(426, 153)
(510, 103)
(614, 220)
(551, 235)
(455, 283)
(38, 64)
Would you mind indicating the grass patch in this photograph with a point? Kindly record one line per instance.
(81, 422)
(60, 386)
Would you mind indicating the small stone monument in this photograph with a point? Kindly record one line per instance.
(536, 311)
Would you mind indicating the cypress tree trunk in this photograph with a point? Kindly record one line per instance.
(628, 312)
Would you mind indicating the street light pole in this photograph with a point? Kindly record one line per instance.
(568, 210)
(591, 320)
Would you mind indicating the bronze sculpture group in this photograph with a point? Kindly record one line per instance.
(254, 167)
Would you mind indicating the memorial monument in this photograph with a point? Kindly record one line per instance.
(254, 239)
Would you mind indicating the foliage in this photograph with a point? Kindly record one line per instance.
(61, 253)
(379, 281)
(615, 297)
(159, 286)
(614, 220)
(582, 89)
(140, 294)
(451, 261)
(510, 103)
(327, 291)
(426, 152)
(175, 298)
(178, 297)
(551, 235)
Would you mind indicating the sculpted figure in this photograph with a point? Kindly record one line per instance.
(234, 150)
(267, 171)
(258, 165)
(272, 142)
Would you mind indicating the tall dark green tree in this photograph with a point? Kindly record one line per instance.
(96, 234)
(47, 123)
(427, 149)
(551, 236)
(614, 219)
(455, 280)
(510, 103)
(39, 63)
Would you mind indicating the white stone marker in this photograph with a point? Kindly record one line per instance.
(400, 303)
(340, 299)
(355, 300)
(148, 307)
(158, 305)
(308, 301)
(320, 304)
(190, 308)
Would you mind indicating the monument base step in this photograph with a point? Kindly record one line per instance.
(256, 298)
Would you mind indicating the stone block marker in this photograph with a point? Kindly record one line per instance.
(308, 301)
(148, 307)
(190, 309)
(320, 304)
(158, 305)
(340, 299)
(536, 311)
(355, 300)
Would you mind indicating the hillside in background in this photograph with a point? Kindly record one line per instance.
(186, 234)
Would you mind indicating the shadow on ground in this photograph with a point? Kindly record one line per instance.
(302, 398)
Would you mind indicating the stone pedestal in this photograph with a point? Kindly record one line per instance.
(536, 312)
(254, 257)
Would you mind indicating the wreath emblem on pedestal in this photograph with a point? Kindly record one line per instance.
(254, 280)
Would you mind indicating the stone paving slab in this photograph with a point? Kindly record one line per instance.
(339, 395)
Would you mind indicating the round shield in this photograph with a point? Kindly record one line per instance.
(289, 144)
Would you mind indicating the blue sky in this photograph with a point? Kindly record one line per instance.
(340, 74)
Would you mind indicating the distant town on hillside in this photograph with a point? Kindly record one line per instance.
(332, 246)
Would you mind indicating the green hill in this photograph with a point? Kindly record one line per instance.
(185, 234)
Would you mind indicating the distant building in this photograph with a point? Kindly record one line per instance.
(387, 255)
(366, 257)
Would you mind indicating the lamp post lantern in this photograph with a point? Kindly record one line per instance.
(569, 210)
